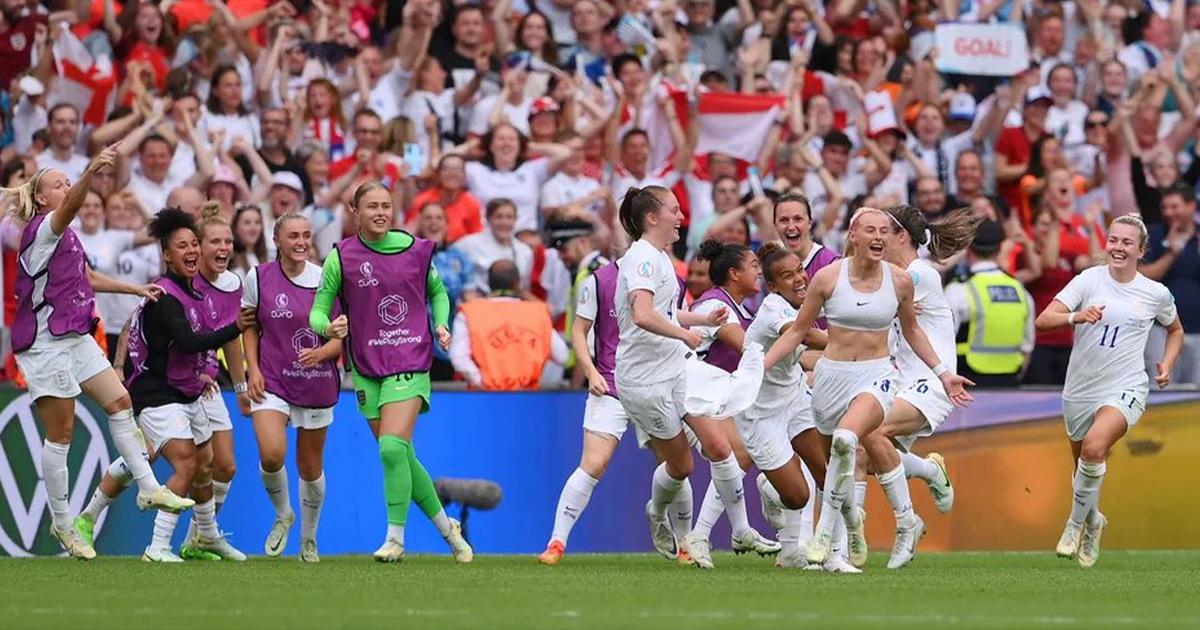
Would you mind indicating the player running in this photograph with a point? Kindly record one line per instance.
(293, 379)
(855, 382)
(54, 348)
(388, 287)
(1112, 308)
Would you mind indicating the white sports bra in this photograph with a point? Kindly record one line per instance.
(849, 308)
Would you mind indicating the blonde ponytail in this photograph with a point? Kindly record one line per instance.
(20, 200)
(210, 216)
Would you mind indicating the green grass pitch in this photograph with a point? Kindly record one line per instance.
(992, 590)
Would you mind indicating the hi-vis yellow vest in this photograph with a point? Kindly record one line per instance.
(997, 315)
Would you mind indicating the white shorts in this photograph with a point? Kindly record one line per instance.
(929, 397)
(838, 383)
(1079, 414)
(768, 438)
(217, 412)
(57, 368)
(175, 421)
(657, 408)
(306, 418)
(605, 415)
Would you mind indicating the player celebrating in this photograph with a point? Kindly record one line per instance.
(855, 381)
(653, 353)
(388, 287)
(1112, 308)
(52, 340)
(293, 379)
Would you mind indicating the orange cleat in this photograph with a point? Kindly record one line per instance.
(684, 557)
(553, 553)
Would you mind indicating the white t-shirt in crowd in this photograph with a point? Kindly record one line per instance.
(152, 195)
(949, 148)
(74, 166)
(310, 278)
(516, 115)
(622, 180)
(1066, 123)
(563, 189)
(1107, 357)
(853, 185)
(420, 104)
(483, 249)
(106, 251)
(245, 125)
(387, 97)
(520, 185)
(936, 319)
(644, 358)
(785, 379)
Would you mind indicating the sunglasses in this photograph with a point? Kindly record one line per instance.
(1095, 123)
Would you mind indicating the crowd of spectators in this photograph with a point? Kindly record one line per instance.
(497, 123)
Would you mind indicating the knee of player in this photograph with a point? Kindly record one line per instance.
(681, 467)
(271, 460)
(121, 404)
(594, 464)
(310, 467)
(186, 464)
(1093, 451)
(224, 471)
(795, 498)
(393, 452)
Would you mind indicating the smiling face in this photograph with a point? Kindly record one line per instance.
(664, 222)
(451, 173)
(148, 24)
(320, 100)
(969, 173)
(870, 233)
(793, 224)
(120, 215)
(64, 128)
(155, 157)
(502, 221)
(725, 195)
(1165, 169)
(91, 213)
(229, 91)
(747, 276)
(215, 248)
(585, 17)
(789, 280)
(534, 32)
(293, 239)
(182, 254)
(1062, 84)
(248, 227)
(431, 77)
(52, 191)
(374, 213)
(635, 152)
(1058, 189)
(431, 224)
(468, 26)
(505, 145)
(1124, 246)
(697, 277)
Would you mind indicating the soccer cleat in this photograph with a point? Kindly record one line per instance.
(163, 499)
(84, 526)
(791, 557)
(752, 541)
(661, 534)
(684, 557)
(819, 547)
(772, 512)
(458, 545)
(1068, 543)
(308, 550)
(856, 540)
(278, 536)
(836, 563)
(220, 547)
(906, 544)
(73, 543)
(940, 488)
(1089, 545)
(699, 550)
(553, 553)
(190, 551)
(391, 551)
(159, 555)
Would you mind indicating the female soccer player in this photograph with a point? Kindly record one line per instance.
(793, 221)
(293, 379)
(54, 348)
(1112, 308)
(650, 366)
(169, 344)
(921, 403)
(855, 381)
(388, 288)
(778, 429)
(735, 273)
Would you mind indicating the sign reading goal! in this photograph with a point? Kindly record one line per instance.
(998, 50)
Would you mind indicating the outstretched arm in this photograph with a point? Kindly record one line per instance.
(65, 214)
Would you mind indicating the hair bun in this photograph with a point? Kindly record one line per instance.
(710, 249)
(210, 210)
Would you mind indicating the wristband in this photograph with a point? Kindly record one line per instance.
(1071, 319)
(240, 388)
(940, 369)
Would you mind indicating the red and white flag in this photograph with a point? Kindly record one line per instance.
(735, 124)
(84, 81)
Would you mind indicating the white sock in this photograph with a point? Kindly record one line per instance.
(808, 513)
(276, 484)
(573, 499)
(792, 526)
(205, 516)
(120, 474)
(860, 493)
(220, 491)
(396, 532)
(727, 477)
(1088, 477)
(919, 467)
(895, 487)
(132, 447)
(442, 523)
(663, 490)
(164, 528)
(54, 471)
(312, 497)
(770, 492)
(839, 479)
(680, 511)
(710, 511)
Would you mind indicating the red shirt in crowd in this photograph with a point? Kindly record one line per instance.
(16, 46)
(1014, 145)
(1072, 243)
(389, 178)
(463, 214)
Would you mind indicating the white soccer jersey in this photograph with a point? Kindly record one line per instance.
(936, 319)
(785, 379)
(1107, 355)
(643, 357)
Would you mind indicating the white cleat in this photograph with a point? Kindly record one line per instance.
(940, 488)
(1068, 543)
(220, 547)
(856, 540)
(458, 545)
(699, 550)
(159, 555)
(391, 551)
(820, 547)
(73, 543)
(752, 541)
(308, 550)
(163, 499)
(791, 557)
(836, 563)
(661, 534)
(772, 512)
(906, 544)
(1089, 545)
(278, 536)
